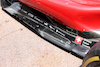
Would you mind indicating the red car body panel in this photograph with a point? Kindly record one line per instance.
(82, 16)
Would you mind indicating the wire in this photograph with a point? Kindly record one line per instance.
(9, 1)
(50, 20)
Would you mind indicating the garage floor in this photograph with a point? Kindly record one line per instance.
(19, 47)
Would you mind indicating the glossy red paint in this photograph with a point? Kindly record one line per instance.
(72, 13)
(88, 2)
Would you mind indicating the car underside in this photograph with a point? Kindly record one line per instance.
(64, 36)
(51, 30)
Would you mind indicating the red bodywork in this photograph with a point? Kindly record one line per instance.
(82, 15)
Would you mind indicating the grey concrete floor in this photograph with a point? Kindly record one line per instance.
(19, 47)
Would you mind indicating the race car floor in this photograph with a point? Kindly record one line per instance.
(20, 47)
